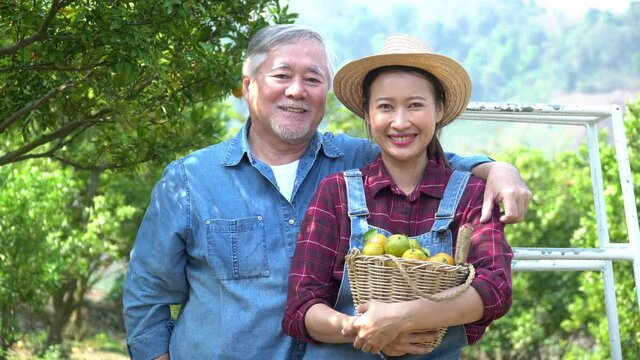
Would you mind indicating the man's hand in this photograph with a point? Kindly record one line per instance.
(164, 356)
(504, 185)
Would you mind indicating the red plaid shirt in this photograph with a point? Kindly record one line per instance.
(318, 263)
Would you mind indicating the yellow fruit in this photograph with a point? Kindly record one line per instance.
(415, 254)
(378, 239)
(397, 244)
(443, 258)
(372, 249)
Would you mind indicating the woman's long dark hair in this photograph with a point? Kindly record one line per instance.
(434, 149)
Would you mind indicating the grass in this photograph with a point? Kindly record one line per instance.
(101, 346)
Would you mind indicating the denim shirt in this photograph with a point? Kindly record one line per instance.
(218, 238)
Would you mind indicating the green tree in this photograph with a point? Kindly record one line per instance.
(31, 225)
(114, 84)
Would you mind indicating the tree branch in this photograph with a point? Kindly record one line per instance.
(34, 104)
(49, 66)
(42, 34)
(21, 153)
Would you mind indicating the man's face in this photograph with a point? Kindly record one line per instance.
(287, 97)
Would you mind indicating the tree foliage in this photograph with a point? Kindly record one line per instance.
(113, 84)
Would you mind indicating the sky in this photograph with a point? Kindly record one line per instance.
(309, 10)
(580, 7)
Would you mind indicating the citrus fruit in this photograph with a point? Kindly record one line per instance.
(415, 254)
(237, 91)
(378, 239)
(396, 245)
(443, 258)
(373, 249)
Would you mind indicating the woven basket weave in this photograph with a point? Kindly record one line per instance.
(386, 278)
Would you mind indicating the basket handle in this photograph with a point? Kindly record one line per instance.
(433, 297)
(463, 243)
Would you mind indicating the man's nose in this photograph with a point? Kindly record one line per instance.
(296, 89)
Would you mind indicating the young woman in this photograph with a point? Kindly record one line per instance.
(405, 93)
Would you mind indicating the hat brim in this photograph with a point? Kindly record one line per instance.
(455, 80)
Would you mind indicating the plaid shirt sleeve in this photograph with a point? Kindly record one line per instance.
(491, 256)
(317, 265)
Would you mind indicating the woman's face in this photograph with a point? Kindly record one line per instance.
(403, 114)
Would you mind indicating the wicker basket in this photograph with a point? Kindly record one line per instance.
(386, 278)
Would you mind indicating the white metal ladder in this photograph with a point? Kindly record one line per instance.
(581, 259)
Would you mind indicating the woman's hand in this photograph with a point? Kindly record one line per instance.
(378, 326)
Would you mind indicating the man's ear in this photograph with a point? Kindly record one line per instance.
(246, 81)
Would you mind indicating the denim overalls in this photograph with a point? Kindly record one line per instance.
(437, 240)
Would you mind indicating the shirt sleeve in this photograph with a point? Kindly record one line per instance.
(466, 163)
(311, 279)
(491, 256)
(156, 275)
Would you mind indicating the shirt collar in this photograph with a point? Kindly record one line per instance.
(238, 146)
(433, 180)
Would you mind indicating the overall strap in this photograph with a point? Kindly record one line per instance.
(356, 203)
(449, 203)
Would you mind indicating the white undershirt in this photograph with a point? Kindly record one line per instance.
(285, 177)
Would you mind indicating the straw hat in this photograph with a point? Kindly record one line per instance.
(402, 49)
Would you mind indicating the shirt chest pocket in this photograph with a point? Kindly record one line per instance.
(236, 248)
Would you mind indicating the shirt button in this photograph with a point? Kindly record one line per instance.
(207, 222)
(292, 221)
(259, 217)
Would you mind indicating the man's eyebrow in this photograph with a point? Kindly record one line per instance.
(313, 68)
(284, 66)
(316, 69)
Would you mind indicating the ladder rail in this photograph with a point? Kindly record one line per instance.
(581, 259)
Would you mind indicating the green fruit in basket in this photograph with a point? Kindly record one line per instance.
(415, 254)
(397, 244)
(373, 249)
(415, 244)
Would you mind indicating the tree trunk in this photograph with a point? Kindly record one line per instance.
(77, 312)
(67, 300)
(6, 331)
(64, 303)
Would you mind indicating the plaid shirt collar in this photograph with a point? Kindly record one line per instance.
(432, 183)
